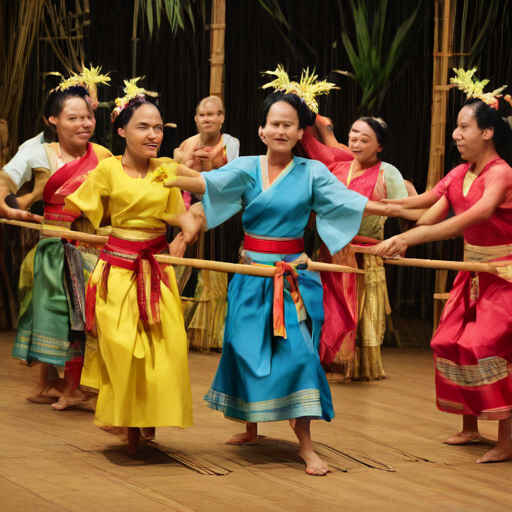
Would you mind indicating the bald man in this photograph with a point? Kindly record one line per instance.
(209, 149)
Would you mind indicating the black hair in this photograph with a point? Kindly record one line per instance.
(55, 105)
(60, 98)
(49, 133)
(379, 127)
(306, 116)
(489, 117)
(127, 113)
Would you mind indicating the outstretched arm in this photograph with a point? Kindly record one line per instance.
(11, 213)
(187, 179)
(498, 187)
(425, 200)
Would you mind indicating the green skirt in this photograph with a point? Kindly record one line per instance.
(52, 287)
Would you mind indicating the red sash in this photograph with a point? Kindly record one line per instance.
(285, 271)
(273, 246)
(366, 182)
(64, 182)
(139, 258)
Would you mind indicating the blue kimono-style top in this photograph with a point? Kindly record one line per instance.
(282, 210)
(263, 377)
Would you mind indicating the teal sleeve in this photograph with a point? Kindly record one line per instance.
(339, 210)
(224, 190)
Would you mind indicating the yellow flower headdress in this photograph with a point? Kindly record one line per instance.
(475, 88)
(87, 78)
(307, 89)
(132, 92)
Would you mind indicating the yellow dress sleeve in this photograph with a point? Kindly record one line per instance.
(175, 205)
(101, 152)
(90, 197)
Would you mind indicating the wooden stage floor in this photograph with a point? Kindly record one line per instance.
(384, 447)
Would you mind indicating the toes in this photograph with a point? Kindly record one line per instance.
(499, 456)
(317, 471)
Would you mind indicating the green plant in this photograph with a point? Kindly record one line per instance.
(485, 14)
(374, 62)
(175, 10)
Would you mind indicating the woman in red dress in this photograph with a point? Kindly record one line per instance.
(472, 346)
(351, 306)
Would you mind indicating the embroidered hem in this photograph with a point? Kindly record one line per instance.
(501, 413)
(487, 371)
(301, 403)
(30, 347)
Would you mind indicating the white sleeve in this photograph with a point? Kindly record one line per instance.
(33, 142)
(394, 182)
(232, 147)
(19, 168)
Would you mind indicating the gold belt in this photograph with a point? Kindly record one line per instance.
(476, 253)
(138, 235)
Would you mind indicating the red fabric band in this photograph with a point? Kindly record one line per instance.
(148, 276)
(273, 246)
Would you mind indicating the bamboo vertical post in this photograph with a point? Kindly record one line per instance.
(440, 296)
(217, 45)
(134, 37)
(443, 42)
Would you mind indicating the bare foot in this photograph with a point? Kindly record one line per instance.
(39, 395)
(497, 454)
(40, 389)
(70, 401)
(463, 438)
(244, 438)
(334, 377)
(43, 399)
(314, 464)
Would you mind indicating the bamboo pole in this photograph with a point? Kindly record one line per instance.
(330, 267)
(217, 45)
(216, 266)
(459, 266)
(443, 43)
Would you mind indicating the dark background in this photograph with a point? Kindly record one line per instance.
(178, 68)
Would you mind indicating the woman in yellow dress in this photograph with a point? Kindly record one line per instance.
(133, 308)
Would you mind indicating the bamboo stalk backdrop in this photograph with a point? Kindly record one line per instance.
(297, 33)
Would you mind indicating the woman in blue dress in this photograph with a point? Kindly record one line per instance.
(270, 369)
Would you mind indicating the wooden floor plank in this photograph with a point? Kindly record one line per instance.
(385, 448)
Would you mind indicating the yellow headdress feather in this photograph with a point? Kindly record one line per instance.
(475, 88)
(132, 91)
(307, 89)
(88, 78)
